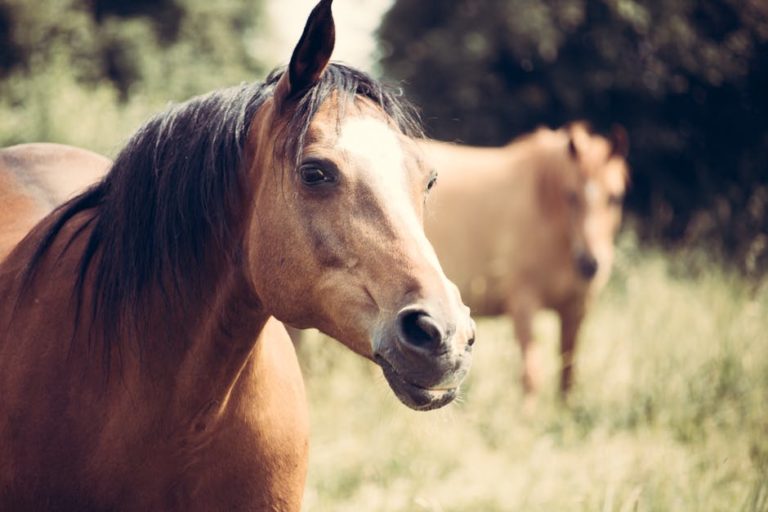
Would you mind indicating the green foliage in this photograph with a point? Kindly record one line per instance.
(687, 78)
(86, 116)
(670, 411)
(88, 72)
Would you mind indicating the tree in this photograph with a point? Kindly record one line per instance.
(176, 46)
(88, 72)
(687, 78)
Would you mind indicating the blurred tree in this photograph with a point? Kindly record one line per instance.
(164, 14)
(88, 72)
(9, 56)
(688, 78)
(191, 45)
(39, 33)
(180, 47)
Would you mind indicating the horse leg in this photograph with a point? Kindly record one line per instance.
(522, 312)
(571, 317)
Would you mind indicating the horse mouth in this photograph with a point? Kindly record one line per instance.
(413, 395)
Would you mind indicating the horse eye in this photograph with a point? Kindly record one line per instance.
(432, 181)
(313, 175)
(615, 199)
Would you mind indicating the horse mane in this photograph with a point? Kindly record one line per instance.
(171, 198)
(349, 83)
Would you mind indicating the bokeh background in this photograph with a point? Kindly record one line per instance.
(670, 411)
(687, 78)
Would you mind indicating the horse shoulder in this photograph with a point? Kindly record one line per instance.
(260, 453)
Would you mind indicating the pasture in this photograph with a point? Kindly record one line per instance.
(669, 412)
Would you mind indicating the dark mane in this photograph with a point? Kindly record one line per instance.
(169, 203)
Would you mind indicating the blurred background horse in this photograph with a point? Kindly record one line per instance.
(530, 225)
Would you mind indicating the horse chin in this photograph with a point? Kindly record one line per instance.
(411, 394)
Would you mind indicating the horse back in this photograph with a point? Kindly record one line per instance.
(35, 179)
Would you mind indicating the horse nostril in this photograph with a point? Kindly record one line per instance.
(587, 266)
(419, 329)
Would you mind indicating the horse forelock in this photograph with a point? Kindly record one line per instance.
(169, 204)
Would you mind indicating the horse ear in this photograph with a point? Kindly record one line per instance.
(311, 55)
(619, 141)
(572, 149)
(571, 130)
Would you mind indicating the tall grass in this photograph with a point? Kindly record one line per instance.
(670, 411)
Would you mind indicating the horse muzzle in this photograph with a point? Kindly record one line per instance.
(424, 357)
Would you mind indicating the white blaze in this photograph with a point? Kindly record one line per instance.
(373, 147)
(592, 191)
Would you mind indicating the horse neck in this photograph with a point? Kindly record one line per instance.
(192, 345)
(220, 328)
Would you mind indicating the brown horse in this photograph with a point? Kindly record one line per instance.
(141, 367)
(35, 179)
(530, 225)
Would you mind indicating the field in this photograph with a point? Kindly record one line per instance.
(670, 411)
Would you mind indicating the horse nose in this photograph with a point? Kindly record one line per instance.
(421, 331)
(586, 265)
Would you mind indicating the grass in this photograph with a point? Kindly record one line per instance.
(670, 411)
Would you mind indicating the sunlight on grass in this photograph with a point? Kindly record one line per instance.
(670, 411)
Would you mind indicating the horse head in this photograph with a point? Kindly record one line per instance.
(594, 196)
(335, 239)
